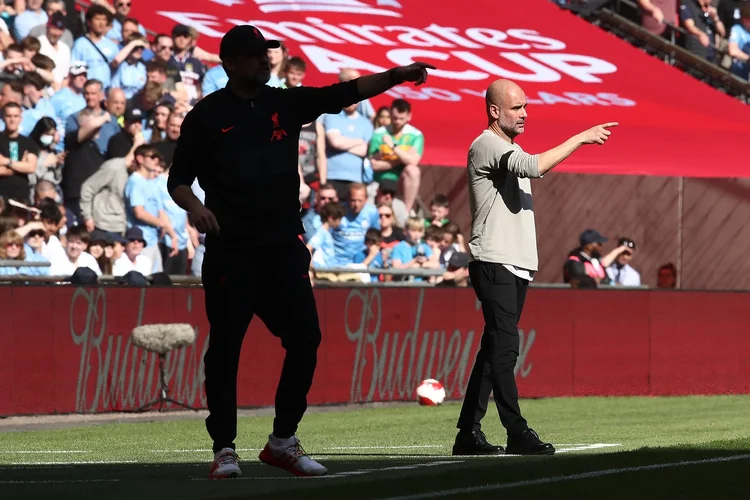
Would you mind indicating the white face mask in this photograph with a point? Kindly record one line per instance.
(46, 140)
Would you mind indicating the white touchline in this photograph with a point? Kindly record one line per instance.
(61, 481)
(13, 452)
(385, 447)
(6, 466)
(200, 450)
(571, 477)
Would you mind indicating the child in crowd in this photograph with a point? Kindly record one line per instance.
(321, 244)
(371, 256)
(413, 253)
(440, 209)
(451, 242)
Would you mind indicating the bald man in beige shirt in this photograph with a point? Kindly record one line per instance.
(503, 260)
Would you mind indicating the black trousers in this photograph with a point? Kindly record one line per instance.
(273, 283)
(176, 265)
(502, 295)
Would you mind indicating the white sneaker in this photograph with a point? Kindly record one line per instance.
(225, 465)
(288, 454)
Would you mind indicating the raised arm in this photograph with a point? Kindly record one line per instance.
(553, 157)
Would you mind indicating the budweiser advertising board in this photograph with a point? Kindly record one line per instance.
(67, 349)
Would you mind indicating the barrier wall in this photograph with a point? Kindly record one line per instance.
(67, 349)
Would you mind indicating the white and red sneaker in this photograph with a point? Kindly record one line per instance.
(225, 465)
(288, 454)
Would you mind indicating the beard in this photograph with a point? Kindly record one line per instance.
(596, 254)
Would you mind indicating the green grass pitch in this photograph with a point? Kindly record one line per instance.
(681, 447)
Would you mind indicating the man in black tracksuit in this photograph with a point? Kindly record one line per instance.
(241, 143)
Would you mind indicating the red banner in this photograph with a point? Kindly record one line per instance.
(67, 349)
(575, 76)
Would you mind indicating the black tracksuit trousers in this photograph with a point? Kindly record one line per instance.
(273, 283)
(502, 295)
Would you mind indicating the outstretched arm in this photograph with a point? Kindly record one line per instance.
(372, 85)
(595, 135)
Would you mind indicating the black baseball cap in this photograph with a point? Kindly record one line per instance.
(245, 39)
(180, 30)
(133, 115)
(591, 236)
(57, 20)
(134, 234)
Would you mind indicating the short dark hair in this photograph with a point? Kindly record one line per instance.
(44, 62)
(131, 20)
(34, 79)
(50, 210)
(331, 211)
(452, 228)
(401, 105)
(146, 149)
(434, 233)
(98, 10)
(373, 237)
(9, 105)
(297, 63)
(441, 200)
(80, 233)
(327, 186)
(745, 11)
(93, 81)
(16, 86)
(31, 43)
(156, 65)
(14, 47)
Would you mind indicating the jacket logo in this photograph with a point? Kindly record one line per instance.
(278, 132)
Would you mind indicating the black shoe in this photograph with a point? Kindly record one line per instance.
(474, 443)
(528, 443)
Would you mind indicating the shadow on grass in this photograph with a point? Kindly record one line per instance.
(363, 476)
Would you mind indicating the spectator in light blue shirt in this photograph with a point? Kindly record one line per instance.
(40, 106)
(311, 220)
(321, 244)
(122, 25)
(739, 44)
(216, 78)
(93, 95)
(12, 247)
(97, 51)
(131, 76)
(349, 237)
(175, 264)
(414, 253)
(372, 255)
(144, 205)
(69, 100)
(30, 18)
(348, 136)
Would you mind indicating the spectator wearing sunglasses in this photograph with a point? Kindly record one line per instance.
(144, 207)
(121, 19)
(620, 271)
(23, 244)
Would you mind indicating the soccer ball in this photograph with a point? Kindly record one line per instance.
(430, 393)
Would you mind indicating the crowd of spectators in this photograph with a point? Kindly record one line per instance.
(716, 30)
(91, 113)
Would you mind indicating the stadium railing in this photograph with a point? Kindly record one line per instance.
(604, 13)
